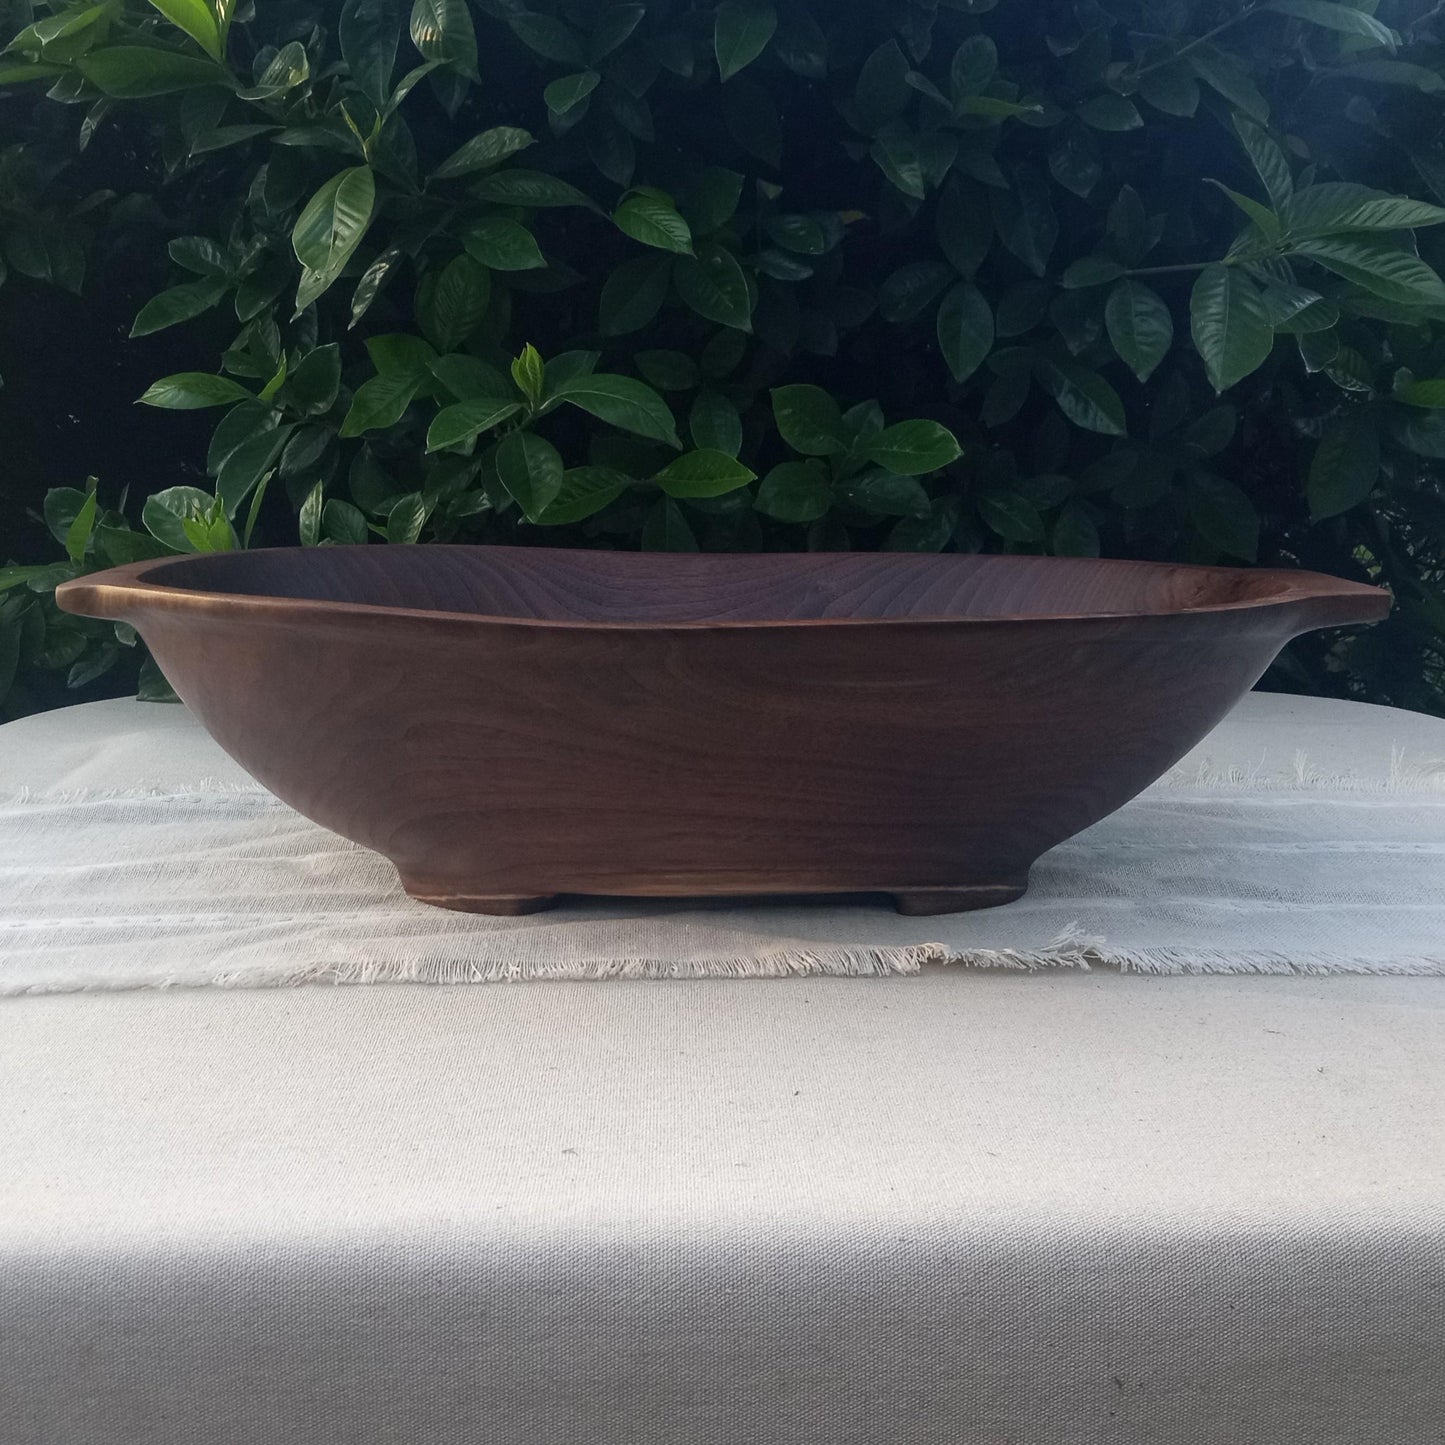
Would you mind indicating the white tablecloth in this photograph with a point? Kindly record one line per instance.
(960, 1208)
(1048, 1209)
(1301, 835)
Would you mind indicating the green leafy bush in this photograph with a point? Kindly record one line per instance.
(1156, 278)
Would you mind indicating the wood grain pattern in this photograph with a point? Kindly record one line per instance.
(509, 724)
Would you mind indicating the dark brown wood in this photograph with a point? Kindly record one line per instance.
(508, 724)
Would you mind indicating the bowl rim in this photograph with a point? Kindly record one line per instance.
(133, 589)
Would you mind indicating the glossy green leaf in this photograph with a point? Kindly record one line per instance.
(442, 30)
(546, 36)
(287, 69)
(1379, 267)
(405, 520)
(1026, 220)
(912, 448)
(483, 151)
(314, 382)
(1110, 112)
(973, 67)
(965, 330)
(380, 401)
(1075, 161)
(193, 390)
(996, 108)
(1268, 160)
(22, 73)
(343, 523)
(1223, 73)
(964, 227)
(1230, 325)
(77, 536)
(1139, 325)
(1223, 515)
(809, 420)
(585, 491)
(622, 402)
(455, 306)
(666, 529)
(741, 33)
(1389, 72)
(703, 474)
(464, 420)
(165, 512)
(1335, 208)
(896, 152)
(469, 378)
(1174, 90)
(135, 72)
(1090, 271)
(1344, 18)
(795, 492)
(503, 244)
(614, 26)
(1265, 220)
(1085, 398)
(309, 517)
(1011, 516)
(909, 290)
(566, 365)
(517, 187)
(712, 200)
(151, 685)
(530, 468)
(199, 254)
(1426, 393)
(178, 304)
(247, 464)
(884, 494)
(713, 284)
(400, 352)
(930, 532)
(1345, 466)
(1075, 533)
(368, 31)
(668, 370)
(571, 90)
(882, 91)
(529, 373)
(653, 220)
(715, 424)
(197, 19)
(633, 294)
(331, 226)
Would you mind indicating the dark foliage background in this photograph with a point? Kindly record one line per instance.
(1150, 278)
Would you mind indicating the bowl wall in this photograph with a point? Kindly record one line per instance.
(499, 761)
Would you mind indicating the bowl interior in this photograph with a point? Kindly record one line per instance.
(578, 586)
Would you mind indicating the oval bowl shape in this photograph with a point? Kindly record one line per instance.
(508, 724)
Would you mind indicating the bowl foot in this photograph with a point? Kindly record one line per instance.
(502, 905)
(921, 902)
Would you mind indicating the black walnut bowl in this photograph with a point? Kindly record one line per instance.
(507, 724)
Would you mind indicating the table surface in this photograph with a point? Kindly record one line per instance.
(966, 1208)
(959, 1207)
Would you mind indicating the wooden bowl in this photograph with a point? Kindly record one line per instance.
(508, 724)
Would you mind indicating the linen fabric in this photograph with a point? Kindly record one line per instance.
(966, 1208)
(1301, 836)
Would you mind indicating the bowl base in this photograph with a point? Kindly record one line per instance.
(922, 902)
(502, 905)
(912, 902)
